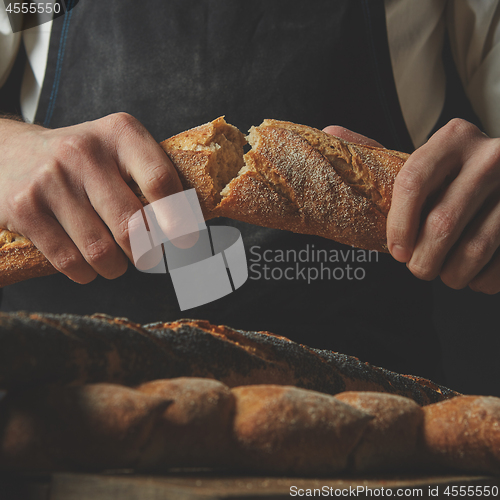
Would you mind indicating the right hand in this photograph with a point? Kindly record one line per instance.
(66, 189)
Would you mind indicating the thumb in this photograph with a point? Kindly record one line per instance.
(349, 135)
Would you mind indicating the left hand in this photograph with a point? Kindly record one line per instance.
(445, 213)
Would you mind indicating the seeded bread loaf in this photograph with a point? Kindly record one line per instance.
(38, 349)
(295, 178)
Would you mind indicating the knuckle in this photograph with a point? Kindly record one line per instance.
(72, 146)
(485, 286)
(123, 122)
(490, 161)
(22, 204)
(49, 172)
(67, 262)
(122, 230)
(157, 181)
(99, 251)
(119, 269)
(477, 250)
(409, 180)
(441, 223)
(450, 279)
(458, 127)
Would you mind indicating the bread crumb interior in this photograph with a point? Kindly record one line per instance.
(227, 160)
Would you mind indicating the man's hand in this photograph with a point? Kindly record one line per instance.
(66, 189)
(445, 213)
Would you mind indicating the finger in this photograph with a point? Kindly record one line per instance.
(475, 249)
(141, 158)
(92, 237)
(446, 221)
(429, 168)
(51, 239)
(349, 135)
(73, 210)
(488, 280)
(115, 203)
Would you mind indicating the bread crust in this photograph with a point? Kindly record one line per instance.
(206, 157)
(309, 195)
(287, 430)
(391, 438)
(20, 259)
(463, 434)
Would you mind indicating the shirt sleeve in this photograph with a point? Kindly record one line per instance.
(9, 45)
(415, 31)
(474, 30)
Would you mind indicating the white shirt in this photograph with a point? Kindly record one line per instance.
(416, 30)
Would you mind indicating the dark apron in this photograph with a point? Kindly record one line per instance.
(177, 64)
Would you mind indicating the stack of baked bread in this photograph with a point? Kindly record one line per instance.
(97, 393)
(295, 178)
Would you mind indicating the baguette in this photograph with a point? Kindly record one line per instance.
(390, 440)
(192, 422)
(38, 349)
(295, 178)
(306, 181)
(287, 430)
(463, 434)
(95, 426)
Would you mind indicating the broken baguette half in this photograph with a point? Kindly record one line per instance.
(295, 178)
(306, 181)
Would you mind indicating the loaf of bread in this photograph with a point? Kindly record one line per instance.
(391, 439)
(195, 428)
(267, 429)
(463, 434)
(93, 427)
(38, 349)
(295, 178)
(288, 430)
(306, 181)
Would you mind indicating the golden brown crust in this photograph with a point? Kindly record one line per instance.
(94, 426)
(195, 429)
(20, 259)
(463, 433)
(390, 440)
(370, 171)
(317, 199)
(206, 158)
(287, 430)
